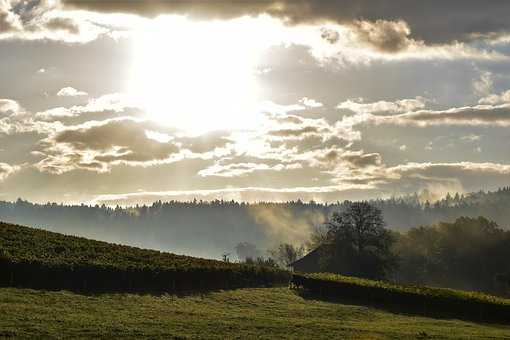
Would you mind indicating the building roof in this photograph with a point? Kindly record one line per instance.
(313, 253)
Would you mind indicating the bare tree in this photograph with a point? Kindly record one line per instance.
(226, 257)
(247, 250)
(285, 254)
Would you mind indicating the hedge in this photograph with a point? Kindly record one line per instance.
(437, 302)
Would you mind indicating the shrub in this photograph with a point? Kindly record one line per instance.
(423, 300)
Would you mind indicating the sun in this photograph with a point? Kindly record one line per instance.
(196, 76)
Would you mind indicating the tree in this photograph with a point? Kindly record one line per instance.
(247, 250)
(469, 253)
(358, 243)
(318, 237)
(262, 262)
(286, 253)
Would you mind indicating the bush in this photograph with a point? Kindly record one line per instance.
(438, 302)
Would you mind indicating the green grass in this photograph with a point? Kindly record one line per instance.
(415, 290)
(245, 313)
(21, 243)
(417, 299)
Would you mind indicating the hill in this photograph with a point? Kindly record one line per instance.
(43, 259)
(120, 291)
(266, 313)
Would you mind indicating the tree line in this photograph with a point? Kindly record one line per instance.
(469, 253)
(207, 229)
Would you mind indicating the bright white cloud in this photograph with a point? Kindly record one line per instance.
(7, 170)
(382, 106)
(71, 92)
(495, 99)
(309, 102)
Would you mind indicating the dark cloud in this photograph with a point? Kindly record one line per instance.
(362, 160)
(42, 19)
(434, 21)
(63, 24)
(98, 146)
(470, 115)
(385, 36)
(295, 132)
(205, 143)
(330, 35)
(8, 22)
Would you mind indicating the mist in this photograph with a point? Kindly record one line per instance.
(210, 229)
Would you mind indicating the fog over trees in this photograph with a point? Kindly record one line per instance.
(209, 229)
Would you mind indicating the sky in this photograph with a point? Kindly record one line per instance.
(126, 102)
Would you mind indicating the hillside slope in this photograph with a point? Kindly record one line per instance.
(269, 313)
(41, 259)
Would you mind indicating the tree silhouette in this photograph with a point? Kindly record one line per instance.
(358, 243)
(286, 253)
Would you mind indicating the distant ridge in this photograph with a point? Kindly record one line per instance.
(208, 229)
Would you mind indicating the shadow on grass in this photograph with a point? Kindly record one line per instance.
(403, 309)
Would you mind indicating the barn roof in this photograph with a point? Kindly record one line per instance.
(313, 253)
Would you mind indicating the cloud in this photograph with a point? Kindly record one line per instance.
(12, 116)
(447, 169)
(44, 20)
(359, 159)
(311, 103)
(383, 35)
(284, 145)
(63, 24)
(443, 177)
(480, 115)
(97, 146)
(9, 22)
(436, 178)
(8, 107)
(245, 194)
(100, 145)
(242, 169)
(399, 106)
(330, 35)
(495, 99)
(413, 112)
(71, 92)
(295, 132)
(6, 170)
(483, 85)
(116, 103)
(217, 142)
(432, 21)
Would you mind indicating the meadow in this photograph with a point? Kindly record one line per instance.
(92, 289)
(266, 313)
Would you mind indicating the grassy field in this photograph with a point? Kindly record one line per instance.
(243, 313)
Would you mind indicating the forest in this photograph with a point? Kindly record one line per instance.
(210, 229)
